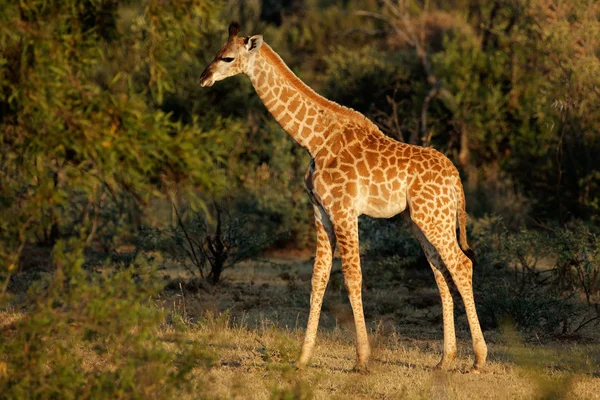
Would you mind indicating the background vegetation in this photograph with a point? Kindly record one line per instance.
(117, 168)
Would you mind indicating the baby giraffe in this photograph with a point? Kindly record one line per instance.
(355, 169)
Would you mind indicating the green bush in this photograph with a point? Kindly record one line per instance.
(266, 183)
(362, 78)
(381, 238)
(388, 249)
(86, 145)
(95, 335)
(532, 308)
(544, 281)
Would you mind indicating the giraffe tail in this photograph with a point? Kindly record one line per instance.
(462, 215)
(462, 220)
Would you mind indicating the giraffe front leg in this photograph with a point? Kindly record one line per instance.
(346, 231)
(320, 277)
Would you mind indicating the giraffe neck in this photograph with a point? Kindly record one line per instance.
(305, 115)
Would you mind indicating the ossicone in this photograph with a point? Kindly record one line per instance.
(234, 29)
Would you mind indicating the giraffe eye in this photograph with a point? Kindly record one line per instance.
(227, 59)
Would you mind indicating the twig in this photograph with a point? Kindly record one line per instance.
(18, 255)
(435, 89)
(183, 299)
(586, 322)
(385, 19)
(370, 32)
(187, 237)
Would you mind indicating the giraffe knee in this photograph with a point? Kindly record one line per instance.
(462, 271)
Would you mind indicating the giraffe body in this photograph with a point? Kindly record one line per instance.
(355, 169)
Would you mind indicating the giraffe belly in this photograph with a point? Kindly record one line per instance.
(385, 207)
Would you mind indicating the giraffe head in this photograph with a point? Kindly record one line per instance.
(233, 57)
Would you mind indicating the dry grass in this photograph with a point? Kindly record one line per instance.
(253, 323)
(253, 363)
(258, 339)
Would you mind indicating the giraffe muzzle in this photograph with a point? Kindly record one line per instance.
(205, 80)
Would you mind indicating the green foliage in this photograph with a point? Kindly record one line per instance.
(80, 122)
(268, 169)
(95, 335)
(309, 33)
(525, 92)
(533, 307)
(101, 114)
(545, 282)
(385, 238)
(476, 76)
(85, 146)
(578, 261)
(362, 78)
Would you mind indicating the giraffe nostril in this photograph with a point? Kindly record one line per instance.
(205, 80)
(204, 76)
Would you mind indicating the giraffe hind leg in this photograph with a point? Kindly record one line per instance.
(442, 235)
(443, 280)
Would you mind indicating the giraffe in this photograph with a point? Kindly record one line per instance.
(355, 169)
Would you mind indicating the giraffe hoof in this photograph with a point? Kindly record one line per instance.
(361, 368)
(476, 370)
(445, 362)
(298, 366)
(442, 366)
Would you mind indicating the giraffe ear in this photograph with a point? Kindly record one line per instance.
(253, 43)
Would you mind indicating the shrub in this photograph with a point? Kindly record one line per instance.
(388, 249)
(544, 281)
(362, 78)
(269, 169)
(578, 260)
(205, 249)
(532, 307)
(380, 238)
(94, 335)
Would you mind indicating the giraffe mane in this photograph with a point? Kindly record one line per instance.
(276, 61)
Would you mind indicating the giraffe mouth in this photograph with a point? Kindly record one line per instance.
(205, 79)
(206, 82)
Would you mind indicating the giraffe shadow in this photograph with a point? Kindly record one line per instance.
(403, 364)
